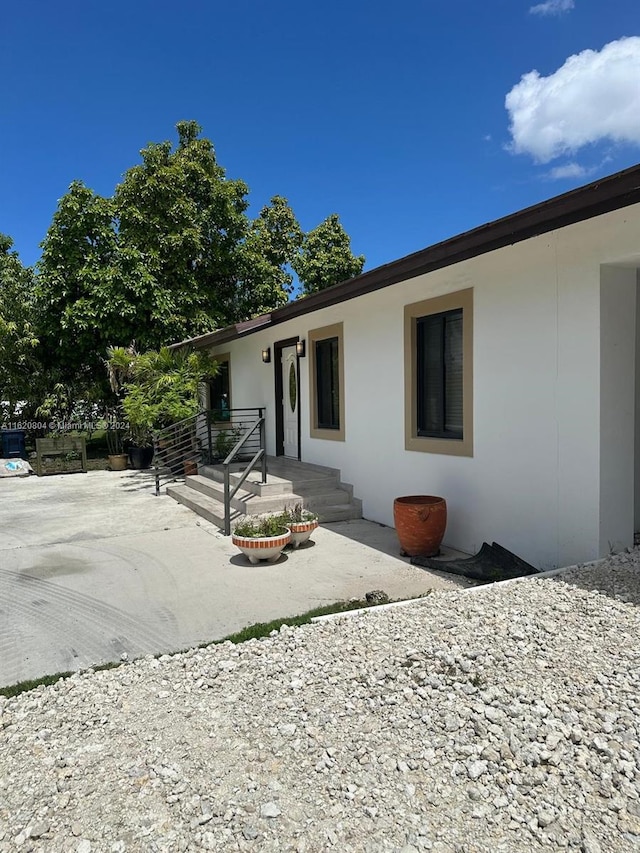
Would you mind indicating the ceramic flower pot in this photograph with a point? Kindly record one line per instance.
(262, 547)
(420, 522)
(301, 531)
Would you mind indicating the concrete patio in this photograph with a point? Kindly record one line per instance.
(94, 566)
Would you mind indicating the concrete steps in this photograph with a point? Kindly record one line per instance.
(288, 483)
(203, 505)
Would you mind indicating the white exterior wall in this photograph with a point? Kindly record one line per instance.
(534, 481)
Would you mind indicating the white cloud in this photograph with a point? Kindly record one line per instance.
(569, 170)
(552, 7)
(592, 97)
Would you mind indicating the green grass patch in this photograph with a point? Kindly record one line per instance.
(251, 632)
(263, 629)
(31, 684)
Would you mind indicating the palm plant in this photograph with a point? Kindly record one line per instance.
(160, 388)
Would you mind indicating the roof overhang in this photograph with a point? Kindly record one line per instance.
(603, 196)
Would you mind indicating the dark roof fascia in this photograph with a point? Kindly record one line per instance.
(603, 196)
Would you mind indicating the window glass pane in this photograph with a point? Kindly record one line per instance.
(439, 375)
(293, 387)
(429, 373)
(327, 384)
(219, 392)
(453, 374)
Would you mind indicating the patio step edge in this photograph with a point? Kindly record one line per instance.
(249, 502)
(203, 505)
(278, 484)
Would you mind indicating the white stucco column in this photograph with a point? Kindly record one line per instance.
(636, 500)
(617, 406)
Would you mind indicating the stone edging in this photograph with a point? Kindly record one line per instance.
(405, 603)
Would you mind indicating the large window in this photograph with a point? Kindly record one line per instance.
(439, 374)
(439, 365)
(327, 382)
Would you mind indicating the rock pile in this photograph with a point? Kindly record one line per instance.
(505, 719)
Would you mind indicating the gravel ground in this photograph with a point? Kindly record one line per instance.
(506, 719)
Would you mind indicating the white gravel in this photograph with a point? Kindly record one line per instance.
(501, 720)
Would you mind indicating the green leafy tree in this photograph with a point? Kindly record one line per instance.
(182, 215)
(265, 282)
(170, 256)
(210, 264)
(89, 292)
(325, 257)
(19, 366)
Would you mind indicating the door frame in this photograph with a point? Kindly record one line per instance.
(279, 393)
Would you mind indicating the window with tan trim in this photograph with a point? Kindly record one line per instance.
(326, 382)
(438, 375)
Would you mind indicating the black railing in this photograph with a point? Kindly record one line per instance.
(212, 437)
(225, 428)
(177, 449)
(240, 451)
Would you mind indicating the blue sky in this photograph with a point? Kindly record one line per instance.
(390, 114)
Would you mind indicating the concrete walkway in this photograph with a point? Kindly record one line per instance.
(93, 566)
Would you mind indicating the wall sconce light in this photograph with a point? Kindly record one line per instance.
(266, 355)
(300, 349)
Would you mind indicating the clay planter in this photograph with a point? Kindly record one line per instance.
(301, 531)
(190, 468)
(118, 462)
(262, 548)
(420, 522)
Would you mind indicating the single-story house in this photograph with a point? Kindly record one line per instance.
(497, 369)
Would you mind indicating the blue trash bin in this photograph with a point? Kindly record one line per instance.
(13, 444)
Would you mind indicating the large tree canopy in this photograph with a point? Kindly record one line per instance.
(188, 222)
(89, 291)
(170, 256)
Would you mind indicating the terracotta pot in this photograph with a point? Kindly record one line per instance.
(118, 461)
(420, 522)
(190, 468)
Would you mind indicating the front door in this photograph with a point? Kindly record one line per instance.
(290, 401)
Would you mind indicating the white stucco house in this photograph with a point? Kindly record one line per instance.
(497, 369)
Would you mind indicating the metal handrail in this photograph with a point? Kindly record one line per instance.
(260, 455)
(168, 461)
(182, 449)
(241, 442)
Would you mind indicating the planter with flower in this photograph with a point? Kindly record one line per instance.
(301, 522)
(261, 537)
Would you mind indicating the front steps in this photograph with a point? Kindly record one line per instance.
(288, 483)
